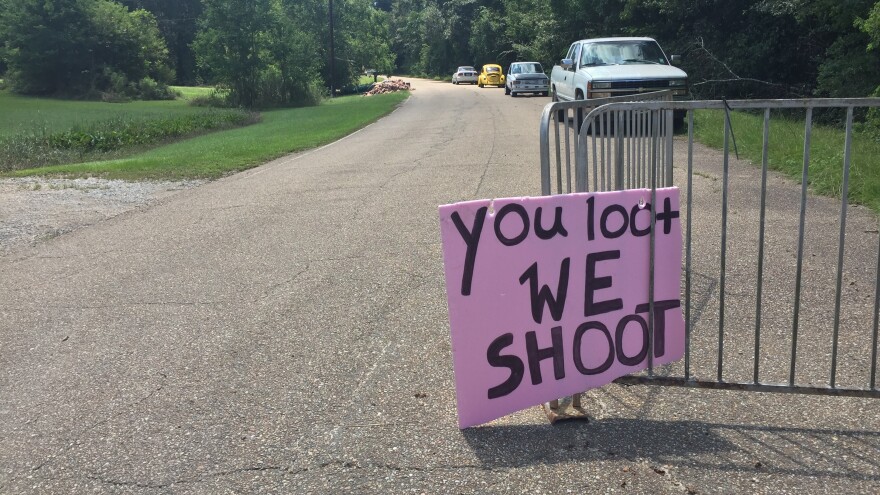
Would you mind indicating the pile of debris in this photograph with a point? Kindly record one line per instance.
(388, 86)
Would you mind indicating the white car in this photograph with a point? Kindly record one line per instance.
(526, 77)
(465, 74)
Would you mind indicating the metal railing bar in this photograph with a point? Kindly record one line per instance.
(630, 147)
(580, 169)
(651, 260)
(725, 181)
(670, 131)
(876, 323)
(808, 130)
(606, 151)
(567, 162)
(673, 381)
(558, 160)
(639, 149)
(687, 270)
(598, 154)
(648, 142)
(568, 148)
(742, 104)
(544, 140)
(618, 159)
(544, 143)
(663, 135)
(618, 138)
(765, 159)
(841, 242)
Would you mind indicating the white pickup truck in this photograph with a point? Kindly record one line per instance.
(605, 67)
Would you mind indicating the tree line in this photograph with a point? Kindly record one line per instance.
(277, 52)
(732, 48)
(259, 53)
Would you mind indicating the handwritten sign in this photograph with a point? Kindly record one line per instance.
(548, 296)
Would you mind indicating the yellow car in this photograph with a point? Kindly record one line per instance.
(491, 75)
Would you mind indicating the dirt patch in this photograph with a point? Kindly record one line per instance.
(35, 209)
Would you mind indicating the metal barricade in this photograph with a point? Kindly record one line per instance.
(631, 145)
(571, 127)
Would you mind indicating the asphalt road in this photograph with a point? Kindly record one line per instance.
(285, 330)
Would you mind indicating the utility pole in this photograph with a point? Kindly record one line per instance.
(332, 56)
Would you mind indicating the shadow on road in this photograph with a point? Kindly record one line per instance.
(743, 449)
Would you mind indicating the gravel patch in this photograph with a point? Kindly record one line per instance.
(35, 209)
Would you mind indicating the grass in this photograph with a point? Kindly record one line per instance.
(220, 153)
(22, 114)
(786, 149)
(190, 92)
(367, 80)
(114, 138)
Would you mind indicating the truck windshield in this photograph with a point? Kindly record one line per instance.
(622, 52)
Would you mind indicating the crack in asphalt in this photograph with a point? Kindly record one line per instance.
(397, 467)
(283, 470)
(489, 159)
(386, 309)
(81, 434)
(199, 479)
(269, 291)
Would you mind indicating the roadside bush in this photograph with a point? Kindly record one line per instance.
(217, 99)
(120, 89)
(40, 148)
(273, 92)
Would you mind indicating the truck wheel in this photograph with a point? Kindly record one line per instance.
(506, 90)
(580, 111)
(678, 120)
(560, 114)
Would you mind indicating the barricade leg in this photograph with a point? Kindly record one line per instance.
(567, 408)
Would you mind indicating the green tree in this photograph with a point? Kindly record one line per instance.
(81, 47)
(262, 51)
(406, 34)
(232, 45)
(487, 35)
(532, 32)
(47, 45)
(365, 43)
(871, 26)
(177, 21)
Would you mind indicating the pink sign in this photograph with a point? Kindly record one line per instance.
(548, 296)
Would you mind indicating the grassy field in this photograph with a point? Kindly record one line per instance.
(23, 114)
(367, 80)
(786, 150)
(190, 92)
(220, 153)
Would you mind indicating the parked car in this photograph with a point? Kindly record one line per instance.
(491, 75)
(465, 74)
(526, 77)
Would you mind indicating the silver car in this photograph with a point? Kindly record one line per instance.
(465, 74)
(526, 77)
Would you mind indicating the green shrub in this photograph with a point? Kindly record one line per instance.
(217, 98)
